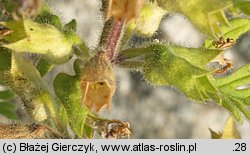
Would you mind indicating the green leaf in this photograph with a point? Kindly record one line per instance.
(243, 5)
(25, 81)
(46, 17)
(230, 131)
(238, 26)
(177, 66)
(71, 26)
(235, 88)
(233, 84)
(43, 66)
(64, 120)
(4, 13)
(67, 88)
(79, 48)
(82, 51)
(38, 101)
(6, 94)
(185, 69)
(5, 59)
(214, 135)
(88, 131)
(18, 28)
(210, 91)
(6, 108)
(43, 39)
(206, 15)
(8, 5)
(231, 92)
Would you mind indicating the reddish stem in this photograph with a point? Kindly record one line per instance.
(111, 37)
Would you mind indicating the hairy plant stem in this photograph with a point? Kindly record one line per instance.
(111, 36)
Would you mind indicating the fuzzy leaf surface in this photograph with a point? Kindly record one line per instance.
(238, 26)
(185, 69)
(206, 15)
(26, 82)
(67, 88)
(235, 88)
(243, 5)
(177, 66)
(5, 59)
(42, 39)
(7, 108)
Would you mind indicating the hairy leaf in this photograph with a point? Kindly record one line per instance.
(43, 39)
(5, 59)
(243, 5)
(177, 66)
(227, 92)
(71, 26)
(238, 26)
(18, 28)
(235, 88)
(26, 82)
(7, 108)
(67, 88)
(184, 69)
(209, 91)
(234, 83)
(45, 16)
(206, 15)
(43, 66)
